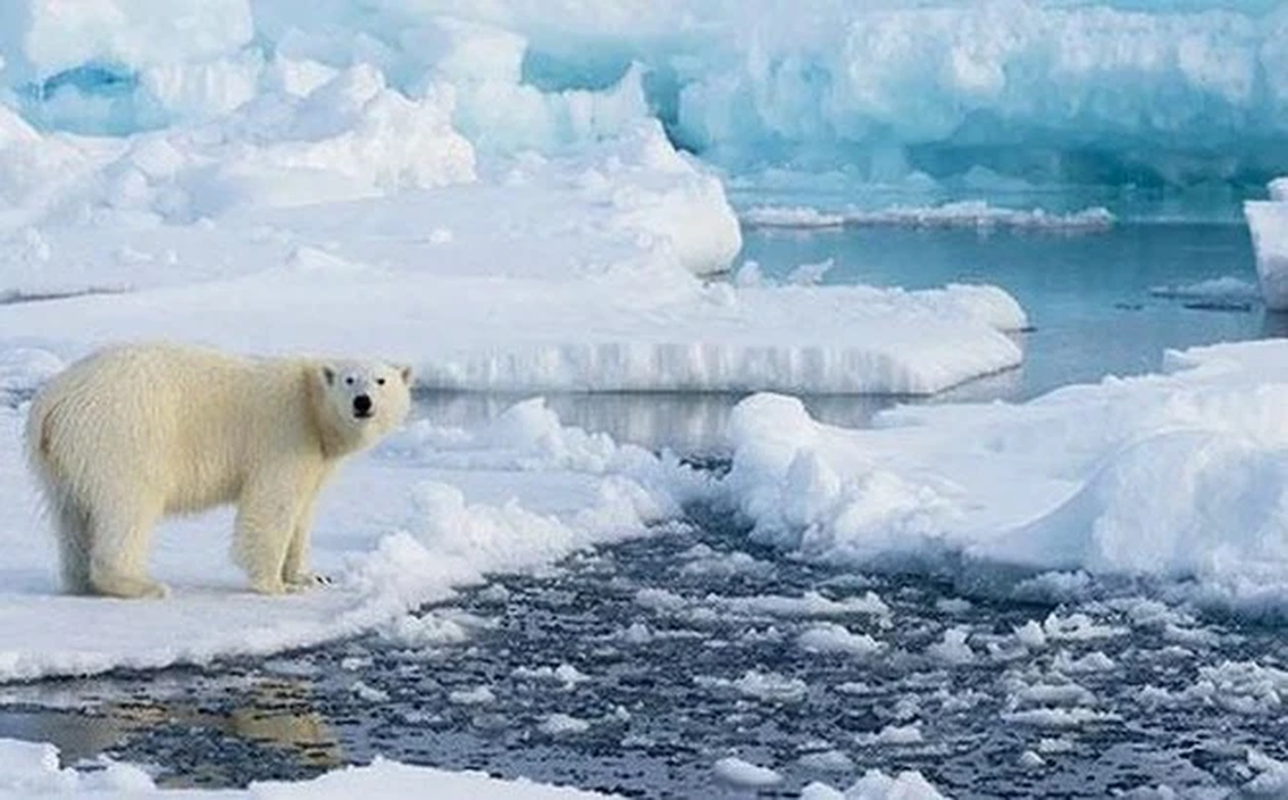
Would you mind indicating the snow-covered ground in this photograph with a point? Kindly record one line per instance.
(1175, 479)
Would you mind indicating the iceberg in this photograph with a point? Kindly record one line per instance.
(1033, 92)
(1268, 223)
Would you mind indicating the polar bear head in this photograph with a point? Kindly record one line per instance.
(362, 401)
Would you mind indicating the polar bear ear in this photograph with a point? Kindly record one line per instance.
(328, 375)
(405, 371)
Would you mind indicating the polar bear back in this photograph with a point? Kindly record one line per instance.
(187, 426)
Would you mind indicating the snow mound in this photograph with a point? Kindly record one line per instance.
(1177, 478)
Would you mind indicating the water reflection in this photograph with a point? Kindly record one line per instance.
(686, 423)
(275, 713)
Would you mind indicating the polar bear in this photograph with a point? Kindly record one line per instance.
(134, 433)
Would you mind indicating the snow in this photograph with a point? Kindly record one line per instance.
(1176, 476)
(31, 770)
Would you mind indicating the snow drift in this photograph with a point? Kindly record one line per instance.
(1177, 479)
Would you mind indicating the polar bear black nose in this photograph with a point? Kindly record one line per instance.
(362, 405)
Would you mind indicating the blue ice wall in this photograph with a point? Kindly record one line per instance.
(1040, 92)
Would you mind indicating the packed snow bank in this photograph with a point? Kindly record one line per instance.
(1178, 478)
(1268, 222)
(434, 509)
(31, 770)
(619, 332)
(969, 214)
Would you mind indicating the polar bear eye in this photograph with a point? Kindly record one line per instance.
(380, 381)
(349, 380)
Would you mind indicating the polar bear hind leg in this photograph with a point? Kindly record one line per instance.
(71, 527)
(120, 539)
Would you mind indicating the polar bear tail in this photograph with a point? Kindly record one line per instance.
(70, 518)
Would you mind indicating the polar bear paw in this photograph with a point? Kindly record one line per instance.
(307, 580)
(114, 584)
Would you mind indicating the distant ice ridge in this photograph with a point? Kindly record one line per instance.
(966, 214)
(1268, 221)
(1227, 289)
(1177, 478)
(1035, 90)
(610, 334)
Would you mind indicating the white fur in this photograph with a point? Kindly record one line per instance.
(134, 433)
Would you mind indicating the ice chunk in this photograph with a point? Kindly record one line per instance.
(829, 637)
(964, 214)
(952, 649)
(560, 724)
(1269, 224)
(736, 772)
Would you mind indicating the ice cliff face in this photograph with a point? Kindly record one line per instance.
(986, 94)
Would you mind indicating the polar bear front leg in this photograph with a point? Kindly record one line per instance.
(265, 528)
(295, 571)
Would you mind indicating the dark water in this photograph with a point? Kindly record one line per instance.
(667, 656)
(663, 670)
(1088, 297)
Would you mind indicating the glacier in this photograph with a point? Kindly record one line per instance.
(1001, 95)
